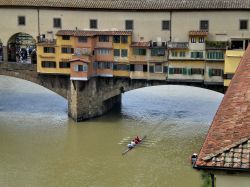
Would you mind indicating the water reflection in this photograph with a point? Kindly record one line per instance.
(41, 146)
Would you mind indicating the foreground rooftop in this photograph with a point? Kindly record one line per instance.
(227, 145)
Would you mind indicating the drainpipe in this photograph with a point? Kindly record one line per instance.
(38, 21)
(170, 37)
(212, 179)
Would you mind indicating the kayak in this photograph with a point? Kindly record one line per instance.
(129, 149)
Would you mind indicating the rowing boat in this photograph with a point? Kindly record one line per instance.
(129, 149)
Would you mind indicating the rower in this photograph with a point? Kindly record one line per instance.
(131, 144)
(137, 140)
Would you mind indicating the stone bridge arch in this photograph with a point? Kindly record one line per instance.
(21, 47)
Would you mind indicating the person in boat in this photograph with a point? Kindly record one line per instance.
(131, 144)
(137, 140)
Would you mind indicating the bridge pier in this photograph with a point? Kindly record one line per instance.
(89, 99)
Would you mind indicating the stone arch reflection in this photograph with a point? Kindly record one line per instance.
(21, 48)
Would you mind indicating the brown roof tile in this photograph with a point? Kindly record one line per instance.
(230, 129)
(140, 44)
(131, 4)
(92, 33)
(198, 33)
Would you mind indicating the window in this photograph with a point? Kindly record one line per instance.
(103, 38)
(174, 53)
(158, 52)
(129, 24)
(48, 64)
(182, 53)
(139, 51)
(93, 24)
(57, 23)
(122, 67)
(201, 40)
(197, 71)
(176, 70)
(138, 67)
(49, 50)
(21, 20)
(103, 51)
(67, 50)
(64, 64)
(196, 54)
(124, 53)
(165, 25)
(243, 24)
(158, 68)
(124, 39)
(104, 65)
(83, 68)
(193, 40)
(237, 44)
(116, 39)
(82, 39)
(215, 72)
(219, 55)
(204, 24)
(117, 52)
(65, 37)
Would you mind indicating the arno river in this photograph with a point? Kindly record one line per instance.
(41, 146)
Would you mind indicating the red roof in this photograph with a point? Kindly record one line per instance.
(140, 44)
(92, 33)
(227, 143)
(79, 60)
(198, 33)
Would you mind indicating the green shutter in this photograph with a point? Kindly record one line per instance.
(210, 72)
(184, 71)
(189, 71)
(171, 70)
(115, 67)
(151, 69)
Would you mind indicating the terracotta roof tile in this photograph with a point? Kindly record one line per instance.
(132, 4)
(198, 33)
(91, 33)
(140, 44)
(229, 133)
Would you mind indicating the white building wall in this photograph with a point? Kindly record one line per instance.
(232, 180)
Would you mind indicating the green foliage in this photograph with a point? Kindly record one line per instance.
(206, 180)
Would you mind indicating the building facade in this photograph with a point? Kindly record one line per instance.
(189, 38)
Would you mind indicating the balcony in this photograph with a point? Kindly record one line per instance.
(216, 45)
(104, 45)
(178, 45)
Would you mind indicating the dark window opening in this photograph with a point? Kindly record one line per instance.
(103, 38)
(64, 65)
(93, 24)
(243, 24)
(165, 25)
(21, 20)
(57, 23)
(48, 64)
(65, 37)
(83, 39)
(116, 39)
(49, 50)
(124, 39)
(204, 24)
(237, 44)
(129, 24)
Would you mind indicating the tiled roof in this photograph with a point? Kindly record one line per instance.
(79, 60)
(92, 33)
(233, 156)
(132, 4)
(230, 129)
(198, 33)
(178, 45)
(140, 44)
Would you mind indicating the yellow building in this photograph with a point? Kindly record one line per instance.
(232, 60)
(101, 50)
